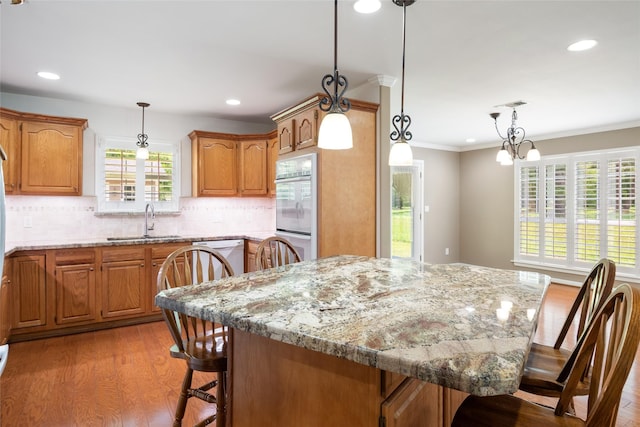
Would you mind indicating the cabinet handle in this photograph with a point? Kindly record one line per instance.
(142, 265)
(91, 269)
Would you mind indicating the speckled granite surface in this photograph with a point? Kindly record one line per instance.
(437, 323)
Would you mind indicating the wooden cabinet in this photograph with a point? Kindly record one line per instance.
(123, 282)
(298, 126)
(45, 153)
(10, 140)
(5, 303)
(414, 403)
(159, 253)
(253, 170)
(231, 165)
(75, 286)
(272, 157)
(214, 164)
(29, 290)
(250, 249)
(346, 178)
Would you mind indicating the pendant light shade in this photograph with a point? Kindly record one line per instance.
(335, 132)
(335, 129)
(401, 154)
(143, 151)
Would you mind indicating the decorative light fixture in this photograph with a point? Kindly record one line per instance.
(515, 138)
(335, 129)
(401, 154)
(143, 151)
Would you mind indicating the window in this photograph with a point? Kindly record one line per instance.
(575, 209)
(127, 184)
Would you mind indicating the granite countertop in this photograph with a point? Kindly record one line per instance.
(438, 323)
(44, 244)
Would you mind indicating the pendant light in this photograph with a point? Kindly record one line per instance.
(335, 129)
(143, 151)
(401, 154)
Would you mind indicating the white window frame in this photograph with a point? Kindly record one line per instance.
(571, 264)
(104, 206)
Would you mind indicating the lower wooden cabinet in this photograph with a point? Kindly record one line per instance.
(75, 286)
(29, 290)
(123, 282)
(59, 291)
(414, 403)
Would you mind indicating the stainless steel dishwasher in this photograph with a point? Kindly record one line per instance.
(232, 250)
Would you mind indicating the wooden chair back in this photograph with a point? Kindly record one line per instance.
(611, 340)
(193, 265)
(594, 291)
(275, 252)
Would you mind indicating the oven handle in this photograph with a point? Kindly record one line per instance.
(295, 179)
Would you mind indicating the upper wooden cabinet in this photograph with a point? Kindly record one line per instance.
(231, 165)
(298, 126)
(253, 170)
(272, 156)
(44, 153)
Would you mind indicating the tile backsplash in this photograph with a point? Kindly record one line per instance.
(46, 218)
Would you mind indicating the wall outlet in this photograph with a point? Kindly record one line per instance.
(27, 222)
(426, 208)
(446, 251)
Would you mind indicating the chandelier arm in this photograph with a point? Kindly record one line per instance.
(495, 122)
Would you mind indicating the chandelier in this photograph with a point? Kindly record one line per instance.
(512, 143)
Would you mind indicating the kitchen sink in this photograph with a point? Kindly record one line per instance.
(170, 236)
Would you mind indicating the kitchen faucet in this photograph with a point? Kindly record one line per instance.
(147, 228)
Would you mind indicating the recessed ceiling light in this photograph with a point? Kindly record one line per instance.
(470, 140)
(233, 102)
(48, 75)
(582, 45)
(367, 6)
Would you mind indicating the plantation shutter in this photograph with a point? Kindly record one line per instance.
(621, 211)
(555, 212)
(528, 212)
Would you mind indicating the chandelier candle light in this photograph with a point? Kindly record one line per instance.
(335, 129)
(513, 141)
(143, 151)
(400, 154)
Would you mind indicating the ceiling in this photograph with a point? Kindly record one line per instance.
(463, 58)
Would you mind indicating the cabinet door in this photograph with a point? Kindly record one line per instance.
(272, 156)
(216, 167)
(250, 258)
(9, 139)
(285, 136)
(306, 125)
(29, 291)
(5, 306)
(159, 254)
(75, 293)
(414, 404)
(123, 288)
(253, 167)
(51, 159)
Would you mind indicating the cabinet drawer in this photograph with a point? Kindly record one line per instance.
(73, 257)
(162, 251)
(123, 254)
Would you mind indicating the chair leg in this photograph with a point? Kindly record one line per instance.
(184, 396)
(221, 397)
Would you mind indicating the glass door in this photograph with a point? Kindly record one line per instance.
(406, 211)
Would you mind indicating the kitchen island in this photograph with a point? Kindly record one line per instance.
(337, 340)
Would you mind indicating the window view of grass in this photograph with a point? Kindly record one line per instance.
(401, 214)
(402, 231)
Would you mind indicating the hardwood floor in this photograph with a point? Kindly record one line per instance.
(125, 377)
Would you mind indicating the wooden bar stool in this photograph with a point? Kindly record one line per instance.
(201, 344)
(611, 341)
(275, 252)
(544, 363)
